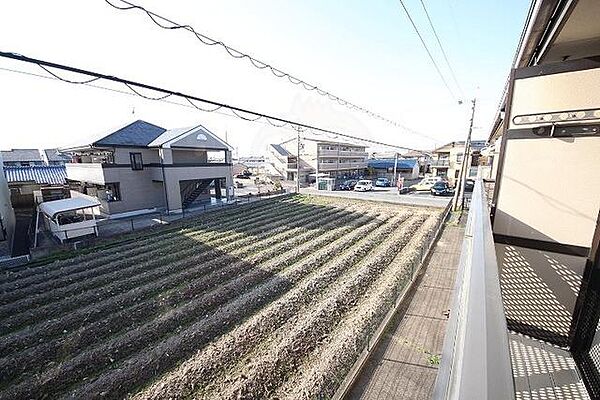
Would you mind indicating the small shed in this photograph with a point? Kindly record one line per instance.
(69, 218)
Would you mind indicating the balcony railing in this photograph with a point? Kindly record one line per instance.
(342, 166)
(342, 153)
(440, 163)
(476, 357)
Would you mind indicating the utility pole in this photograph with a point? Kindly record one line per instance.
(395, 168)
(459, 192)
(298, 161)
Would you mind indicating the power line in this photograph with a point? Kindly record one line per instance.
(427, 49)
(442, 49)
(237, 111)
(238, 54)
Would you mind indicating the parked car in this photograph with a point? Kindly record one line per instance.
(441, 188)
(383, 182)
(363, 186)
(426, 183)
(239, 185)
(242, 176)
(469, 185)
(347, 185)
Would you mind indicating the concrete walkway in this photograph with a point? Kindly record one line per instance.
(403, 366)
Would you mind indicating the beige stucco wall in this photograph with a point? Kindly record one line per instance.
(149, 156)
(138, 189)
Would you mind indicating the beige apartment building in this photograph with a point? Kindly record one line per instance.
(336, 159)
(447, 160)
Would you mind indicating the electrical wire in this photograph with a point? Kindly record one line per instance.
(437, 68)
(442, 49)
(156, 18)
(234, 109)
(130, 93)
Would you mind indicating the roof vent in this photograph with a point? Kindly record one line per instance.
(201, 136)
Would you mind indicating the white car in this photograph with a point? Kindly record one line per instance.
(426, 183)
(363, 186)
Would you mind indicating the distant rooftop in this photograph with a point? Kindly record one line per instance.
(55, 155)
(280, 149)
(390, 162)
(26, 155)
(139, 133)
(475, 144)
(41, 174)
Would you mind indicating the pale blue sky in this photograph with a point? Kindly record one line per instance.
(364, 51)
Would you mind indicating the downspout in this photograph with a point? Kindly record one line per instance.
(162, 170)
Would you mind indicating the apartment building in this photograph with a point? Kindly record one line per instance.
(143, 167)
(447, 160)
(335, 159)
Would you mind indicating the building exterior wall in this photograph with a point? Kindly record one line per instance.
(149, 156)
(329, 157)
(137, 188)
(7, 213)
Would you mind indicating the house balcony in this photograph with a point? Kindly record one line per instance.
(86, 172)
(440, 163)
(484, 356)
(345, 153)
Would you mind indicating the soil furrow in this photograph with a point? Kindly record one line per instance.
(56, 379)
(199, 370)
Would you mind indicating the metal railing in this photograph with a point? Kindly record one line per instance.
(440, 163)
(476, 356)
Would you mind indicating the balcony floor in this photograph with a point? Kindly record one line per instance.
(399, 367)
(543, 371)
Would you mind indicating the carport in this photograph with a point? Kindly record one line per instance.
(69, 218)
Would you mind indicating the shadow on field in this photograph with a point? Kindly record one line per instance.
(108, 324)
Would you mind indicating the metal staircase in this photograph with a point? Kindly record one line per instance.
(193, 190)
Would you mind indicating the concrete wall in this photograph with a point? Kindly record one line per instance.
(6, 211)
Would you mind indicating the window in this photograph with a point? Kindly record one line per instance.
(456, 173)
(136, 161)
(459, 157)
(113, 192)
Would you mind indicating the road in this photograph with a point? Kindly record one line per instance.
(389, 195)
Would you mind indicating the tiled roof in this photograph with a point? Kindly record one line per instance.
(138, 133)
(42, 174)
(21, 155)
(389, 163)
(54, 155)
(279, 148)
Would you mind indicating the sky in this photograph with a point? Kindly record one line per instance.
(365, 52)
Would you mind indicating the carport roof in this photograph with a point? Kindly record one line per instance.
(51, 208)
(390, 162)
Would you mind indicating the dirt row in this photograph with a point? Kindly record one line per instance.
(11, 280)
(217, 272)
(50, 276)
(200, 370)
(149, 270)
(249, 306)
(121, 345)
